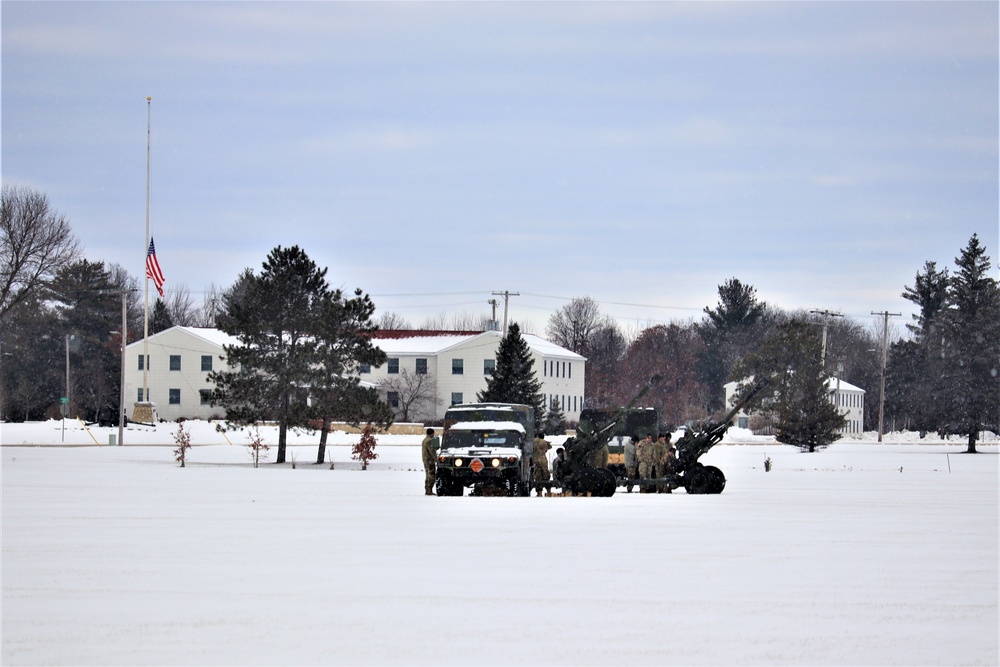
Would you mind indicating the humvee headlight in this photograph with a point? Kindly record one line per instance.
(458, 463)
(495, 463)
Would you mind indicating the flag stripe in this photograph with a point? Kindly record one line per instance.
(153, 268)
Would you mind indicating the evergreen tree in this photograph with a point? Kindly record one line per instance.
(914, 367)
(971, 349)
(513, 380)
(344, 335)
(555, 420)
(275, 320)
(88, 311)
(800, 401)
(160, 319)
(729, 331)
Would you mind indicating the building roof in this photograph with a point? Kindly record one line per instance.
(212, 336)
(436, 342)
(830, 382)
(400, 342)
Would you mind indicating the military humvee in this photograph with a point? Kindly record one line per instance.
(487, 447)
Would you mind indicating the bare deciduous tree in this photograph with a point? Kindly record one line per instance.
(416, 395)
(389, 321)
(180, 305)
(573, 325)
(36, 242)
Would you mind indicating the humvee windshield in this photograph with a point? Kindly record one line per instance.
(473, 439)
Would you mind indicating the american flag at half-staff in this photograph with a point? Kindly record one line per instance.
(153, 268)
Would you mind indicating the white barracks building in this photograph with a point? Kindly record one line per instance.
(456, 366)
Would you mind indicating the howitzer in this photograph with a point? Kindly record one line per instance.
(686, 471)
(580, 477)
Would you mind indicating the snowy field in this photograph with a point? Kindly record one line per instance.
(861, 554)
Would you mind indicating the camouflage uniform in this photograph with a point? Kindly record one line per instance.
(599, 458)
(559, 467)
(540, 464)
(631, 462)
(645, 454)
(428, 451)
(660, 450)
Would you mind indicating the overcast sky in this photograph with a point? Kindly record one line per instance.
(637, 153)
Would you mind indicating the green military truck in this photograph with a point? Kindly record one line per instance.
(638, 422)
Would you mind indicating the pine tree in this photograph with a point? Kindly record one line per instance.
(276, 359)
(800, 402)
(555, 420)
(513, 380)
(160, 319)
(971, 348)
(729, 331)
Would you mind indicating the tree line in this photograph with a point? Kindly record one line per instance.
(944, 378)
(54, 304)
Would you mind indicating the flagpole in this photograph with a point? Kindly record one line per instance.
(145, 319)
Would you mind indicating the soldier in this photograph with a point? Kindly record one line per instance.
(631, 462)
(647, 463)
(559, 467)
(661, 450)
(599, 457)
(540, 464)
(428, 450)
(671, 463)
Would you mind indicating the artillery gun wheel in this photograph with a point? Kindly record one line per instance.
(599, 482)
(697, 479)
(717, 480)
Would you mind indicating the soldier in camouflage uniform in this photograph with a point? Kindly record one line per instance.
(661, 450)
(599, 457)
(428, 451)
(540, 464)
(631, 462)
(645, 454)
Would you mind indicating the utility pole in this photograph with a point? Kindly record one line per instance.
(885, 353)
(493, 319)
(506, 301)
(827, 314)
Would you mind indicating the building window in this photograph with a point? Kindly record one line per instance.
(393, 368)
(457, 366)
(456, 398)
(175, 397)
(175, 362)
(206, 396)
(141, 368)
(421, 367)
(139, 395)
(392, 398)
(545, 367)
(206, 363)
(570, 375)
(364, 368)
(489, 365)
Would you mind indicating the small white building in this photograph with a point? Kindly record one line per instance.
(850, 400)
(458, 364)
(180, 359)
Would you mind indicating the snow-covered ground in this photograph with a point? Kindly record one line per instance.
(863, 553)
